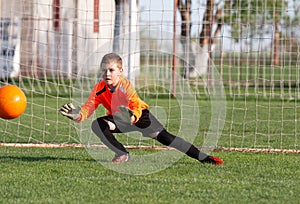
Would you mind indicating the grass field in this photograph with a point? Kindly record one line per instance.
(72, 176)
(251, 122)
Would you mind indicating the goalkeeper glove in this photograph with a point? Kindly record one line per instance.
(125, 116)
(70, 111)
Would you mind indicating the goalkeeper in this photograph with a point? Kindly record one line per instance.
(126, 112)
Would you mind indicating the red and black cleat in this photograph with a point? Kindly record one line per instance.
(120, 159)
(213, 160)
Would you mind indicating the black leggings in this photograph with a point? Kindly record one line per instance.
(166, 138)
(149, 126)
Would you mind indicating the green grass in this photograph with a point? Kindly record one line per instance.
(69, 175)
(249, 122)
(72, 176)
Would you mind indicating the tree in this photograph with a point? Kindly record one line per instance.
(213, 15)
(184, 8)
(267, 14)
(240, 16)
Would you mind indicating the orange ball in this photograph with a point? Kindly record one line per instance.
(12, 102)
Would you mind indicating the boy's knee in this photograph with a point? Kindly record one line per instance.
(99, 125)
(153, 135)
(95, 126)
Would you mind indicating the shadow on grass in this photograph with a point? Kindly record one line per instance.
(40, 159)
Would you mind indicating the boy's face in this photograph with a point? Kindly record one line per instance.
(111, 74)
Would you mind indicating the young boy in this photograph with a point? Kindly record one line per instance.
(126, 112)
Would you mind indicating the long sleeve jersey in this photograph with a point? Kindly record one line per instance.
(124, 94)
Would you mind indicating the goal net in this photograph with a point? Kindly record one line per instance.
(221, 74)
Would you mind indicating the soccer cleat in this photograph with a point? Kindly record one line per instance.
(120, 159)
(213, 160)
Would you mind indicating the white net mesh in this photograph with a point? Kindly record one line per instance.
(241, 52)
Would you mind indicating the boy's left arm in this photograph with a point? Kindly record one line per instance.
(125, 115)
(135, 106)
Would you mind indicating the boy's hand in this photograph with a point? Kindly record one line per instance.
(70, 111)
(126, 115)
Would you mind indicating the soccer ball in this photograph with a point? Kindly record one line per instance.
(12, 102)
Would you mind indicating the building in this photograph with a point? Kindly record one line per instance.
(66, 38)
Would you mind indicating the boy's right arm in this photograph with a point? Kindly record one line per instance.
(70, 111)
(80, 114)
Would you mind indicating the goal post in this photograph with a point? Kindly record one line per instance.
(235, 90)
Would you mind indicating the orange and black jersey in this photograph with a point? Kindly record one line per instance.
(124, 94)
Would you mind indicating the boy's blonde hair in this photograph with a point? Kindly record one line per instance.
(111, 58)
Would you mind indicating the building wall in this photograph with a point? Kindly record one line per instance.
(70, 44)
